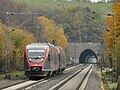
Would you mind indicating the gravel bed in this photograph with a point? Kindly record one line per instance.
(94, 82)
(8, 82)
(54, 80)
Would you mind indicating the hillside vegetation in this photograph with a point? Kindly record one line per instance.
(52, 4)
(63, 18)
(67, 15)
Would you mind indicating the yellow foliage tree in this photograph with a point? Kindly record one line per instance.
(116, 10)
(4, 49)
(109, 35)
(60, 38)
(21, 38)
(17, 41)
(52, 33)
(116, 17)
(112, 38)
(1, 41)
(49, 28)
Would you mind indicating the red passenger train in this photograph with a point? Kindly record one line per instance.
(42, 59)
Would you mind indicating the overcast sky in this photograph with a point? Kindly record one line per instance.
(96, 0)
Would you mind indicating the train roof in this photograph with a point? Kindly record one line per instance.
(39, 45)
(58, 47)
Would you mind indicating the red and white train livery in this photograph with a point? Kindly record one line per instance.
(42, 59)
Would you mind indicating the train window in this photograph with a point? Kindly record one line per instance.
(48, 57)
(36, 54)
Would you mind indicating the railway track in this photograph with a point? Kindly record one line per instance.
(29, 83)
(76, 81)
(6, 86)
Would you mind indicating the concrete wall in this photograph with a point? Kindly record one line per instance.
(75, 49)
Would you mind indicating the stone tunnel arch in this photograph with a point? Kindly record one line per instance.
(85, 53)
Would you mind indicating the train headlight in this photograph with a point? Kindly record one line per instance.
(42, 59)
(36, 60)
(30, 59)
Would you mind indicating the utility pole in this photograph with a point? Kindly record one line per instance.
(79, 32)
(74, 52)
(114, 45)
(7, 48)
(7, 38)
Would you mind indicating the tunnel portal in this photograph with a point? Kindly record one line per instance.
(86, 54)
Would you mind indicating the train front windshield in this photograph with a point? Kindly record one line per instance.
(36, 55)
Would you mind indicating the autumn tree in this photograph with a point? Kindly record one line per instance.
(112, 38)
(109, 35)
(60, 38)
(13, 45)
(5, 49)
(20, 38)
(49, 28)
(52, 32)
(116, 16)
(2, 58)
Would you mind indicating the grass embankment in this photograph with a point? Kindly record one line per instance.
(17, 74)
(109, 80)
(52, 4)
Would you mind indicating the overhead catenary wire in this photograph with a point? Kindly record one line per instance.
(28, 19)
(87, 30)
(63, 3)
(3, 11)
(98, 24)
(7, 38)
(93, 21)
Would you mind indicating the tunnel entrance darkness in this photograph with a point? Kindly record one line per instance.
(85, 54)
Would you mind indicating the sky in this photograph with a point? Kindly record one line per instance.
(96, 0)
